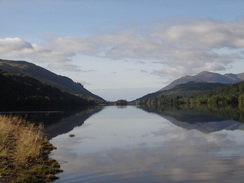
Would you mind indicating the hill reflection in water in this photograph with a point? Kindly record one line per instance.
(202, 120)
(132, 145)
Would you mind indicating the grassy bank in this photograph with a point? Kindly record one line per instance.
(24, 153)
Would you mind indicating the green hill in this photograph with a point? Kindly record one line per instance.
(24, 92)
(191, 88)
(207, 77)
(186, 89)
(63, 83)
(214, 94)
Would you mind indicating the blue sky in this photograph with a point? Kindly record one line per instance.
(124, 48)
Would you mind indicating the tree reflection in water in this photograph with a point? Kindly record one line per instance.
(132, 145)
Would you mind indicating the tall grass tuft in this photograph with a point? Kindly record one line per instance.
(24, 138)
(22, 149)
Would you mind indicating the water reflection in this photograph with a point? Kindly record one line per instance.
(131, 145)
(56, 122)
(68, 122)
(202, 120)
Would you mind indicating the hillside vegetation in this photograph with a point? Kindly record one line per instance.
(45, 76)
(23, 92)
(188, 89)
(198, 93)
(207, 77)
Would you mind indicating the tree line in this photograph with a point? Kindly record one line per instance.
(222, 96)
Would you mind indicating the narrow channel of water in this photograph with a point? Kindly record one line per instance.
(130, 145)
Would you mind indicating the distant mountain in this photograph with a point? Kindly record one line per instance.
(185, 89)
(64, 83)
(209, 77)
(201, 82)
(197, 93)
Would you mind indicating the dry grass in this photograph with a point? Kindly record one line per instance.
(24, 137)
(24, 152)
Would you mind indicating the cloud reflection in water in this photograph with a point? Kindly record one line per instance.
(165, 154)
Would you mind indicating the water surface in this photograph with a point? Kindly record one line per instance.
(131, 145)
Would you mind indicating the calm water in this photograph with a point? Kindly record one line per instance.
(130, 145)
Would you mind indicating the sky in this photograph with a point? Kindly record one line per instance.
(124, 49)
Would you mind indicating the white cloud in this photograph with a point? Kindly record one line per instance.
(16, 48)
(184, 47)
(205, 33)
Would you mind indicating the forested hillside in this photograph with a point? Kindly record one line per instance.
(207, 77)
(23, 92)
(63, 83)
(187, 89)
(199, 93)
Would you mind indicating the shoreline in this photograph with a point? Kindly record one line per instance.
(24, 152)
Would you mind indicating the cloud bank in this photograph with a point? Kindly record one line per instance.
(181, 46)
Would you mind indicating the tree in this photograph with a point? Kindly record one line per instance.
(121, 102)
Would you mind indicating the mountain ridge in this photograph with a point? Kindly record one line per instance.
(189, 85)
(206, 76)
(22, 92)
(185, 89)
(62, 82)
